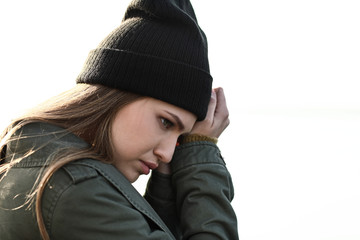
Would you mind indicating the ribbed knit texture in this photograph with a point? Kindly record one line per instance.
(158, 51)
(197, 138)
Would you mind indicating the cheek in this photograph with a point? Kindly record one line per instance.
(118, 145)
(133, 141)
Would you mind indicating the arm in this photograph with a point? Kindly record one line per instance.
(161, 196)
(204, 192)
(203, 185)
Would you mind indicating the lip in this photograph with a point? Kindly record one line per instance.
(147, 166)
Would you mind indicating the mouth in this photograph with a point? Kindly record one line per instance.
(147, 166)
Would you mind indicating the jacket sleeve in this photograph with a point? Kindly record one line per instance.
(204, 192)
(161, 196)
(90, 209)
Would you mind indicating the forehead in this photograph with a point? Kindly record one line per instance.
(150, 105)
(170, 107)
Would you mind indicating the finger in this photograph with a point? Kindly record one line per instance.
(221, 107)
(221, 117)
(211, 107)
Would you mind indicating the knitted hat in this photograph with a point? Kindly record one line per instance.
(159, 51)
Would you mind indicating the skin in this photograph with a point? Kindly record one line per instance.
(144, 133)
(215, 122)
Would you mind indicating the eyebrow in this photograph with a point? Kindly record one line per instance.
(177, 120)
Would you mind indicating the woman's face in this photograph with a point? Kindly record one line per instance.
(145, 133)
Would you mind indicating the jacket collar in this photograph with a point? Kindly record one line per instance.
(118, 180)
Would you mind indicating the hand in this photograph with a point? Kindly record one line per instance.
(217, 117)
(215, 122)
(164, 168)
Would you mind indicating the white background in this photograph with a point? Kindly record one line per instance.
(290, 71)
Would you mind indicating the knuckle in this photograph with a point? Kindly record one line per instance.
(227, 122)
(207, 121)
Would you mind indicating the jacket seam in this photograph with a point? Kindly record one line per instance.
(54, 203)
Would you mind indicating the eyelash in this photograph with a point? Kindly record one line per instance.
(166, 123)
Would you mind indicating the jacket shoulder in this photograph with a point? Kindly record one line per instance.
(79, 172)
(92, 193)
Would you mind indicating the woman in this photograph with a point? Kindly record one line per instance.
(67, 166)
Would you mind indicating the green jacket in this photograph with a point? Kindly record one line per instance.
(88, 199)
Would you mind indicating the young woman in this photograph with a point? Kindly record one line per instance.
(67, 166)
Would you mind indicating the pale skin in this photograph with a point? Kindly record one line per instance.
(144, 133)
(215, 122)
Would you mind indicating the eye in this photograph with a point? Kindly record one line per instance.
(166, 123)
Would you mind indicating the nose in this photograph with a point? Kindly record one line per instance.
(164, 151)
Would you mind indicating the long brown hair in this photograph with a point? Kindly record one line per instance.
(85, 110)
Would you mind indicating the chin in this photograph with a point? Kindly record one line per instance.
(133, 178)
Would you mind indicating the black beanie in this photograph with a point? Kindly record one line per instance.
(158, 51)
